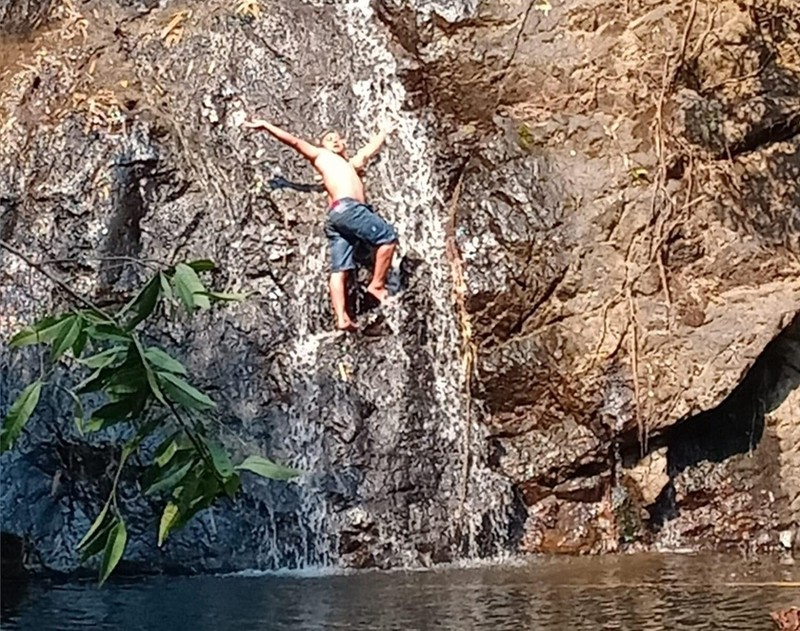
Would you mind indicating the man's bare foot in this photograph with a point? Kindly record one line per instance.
(381, 294)
(347, 325)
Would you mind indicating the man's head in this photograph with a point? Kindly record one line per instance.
(332, 141)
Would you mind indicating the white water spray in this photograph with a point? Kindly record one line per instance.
(403, 189)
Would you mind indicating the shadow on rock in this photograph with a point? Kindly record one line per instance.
(735, 426)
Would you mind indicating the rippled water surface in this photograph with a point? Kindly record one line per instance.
(634, 592)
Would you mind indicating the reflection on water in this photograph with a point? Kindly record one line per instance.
(635, 592)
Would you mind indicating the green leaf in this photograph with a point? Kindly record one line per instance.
(208, 489)
(98, 521)
(166, 450)
(221, 459)
(167, 519)
(267, 469)
(232, 485)
(108, 333)
(196, 493)
(154, 387)
(165, 286)
(144, 303)
(168, 478)
(67, 336)
(202, 265)
(144, 431)
(148, 371)
(166, 456)
(223, 297)
(80, 344)
(183, 393)
(189, 288)
(121, 390)
(97, 542)
(92, 383)
(115, 547)
(94, 317)
(42, 332)
(166, 289)
(130, 372)
(104, 358)
(126, 408)
(162, 360)
(19, 414)
(77, 409)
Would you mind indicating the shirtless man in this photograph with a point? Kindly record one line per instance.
(349, 219)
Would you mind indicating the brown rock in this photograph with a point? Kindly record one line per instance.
(613, 301)
(569, 527)
(786, 421)
(650, 475)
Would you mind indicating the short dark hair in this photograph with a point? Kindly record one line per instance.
(325, 133)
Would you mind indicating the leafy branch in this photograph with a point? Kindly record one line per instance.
(145, 388)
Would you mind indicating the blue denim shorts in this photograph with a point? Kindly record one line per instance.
(350, 222)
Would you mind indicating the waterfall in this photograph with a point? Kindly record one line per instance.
(408, 184)
(402, 186)
(407, 191)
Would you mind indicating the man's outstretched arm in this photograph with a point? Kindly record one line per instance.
(305, 148)
(359, 161)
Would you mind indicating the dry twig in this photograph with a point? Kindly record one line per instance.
(173, 32)
(468, 348)
(250, 8)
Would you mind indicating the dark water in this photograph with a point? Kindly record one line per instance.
(642, 592)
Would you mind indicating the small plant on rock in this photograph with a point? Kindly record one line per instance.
(525, 137)
(249, 8)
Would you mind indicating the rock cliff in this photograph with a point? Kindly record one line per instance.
(626, 214)
(598, 343)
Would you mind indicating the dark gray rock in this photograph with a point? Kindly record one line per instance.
(149, 163)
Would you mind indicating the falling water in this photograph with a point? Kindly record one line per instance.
(406, 189)
(300, 525)
(409, 184)
(403, 188)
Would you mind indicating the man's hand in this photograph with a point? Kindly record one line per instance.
(387, 128)
(359, 161)
(256, 123)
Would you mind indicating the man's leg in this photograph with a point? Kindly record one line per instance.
(383, 259)
(366, 226)
(341, 263)
(338, 285)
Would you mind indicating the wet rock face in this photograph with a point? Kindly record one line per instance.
(126, 145)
